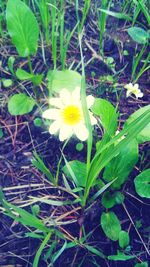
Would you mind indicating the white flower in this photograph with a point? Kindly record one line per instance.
(133, 89)
(68, 116)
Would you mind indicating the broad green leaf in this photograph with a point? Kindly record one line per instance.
(107, 113)
(124, 239)
(79, 170)
(109, 200)
(142, 264)
(106, 153)
(20, 104)
(121, 257)
(142, 184)
(119, 197)
(24, 75)
(22, 27)
(110, 225)
(121, 165)
(68, 79)
(144, 135)
(138, 34)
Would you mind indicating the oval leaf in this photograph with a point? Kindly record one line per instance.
(142, 264)
(138, 34)
(68, 79)
(107, 200)
(24, 75)
(107, 113)
(22, 27)
(142, 184)
(20, 104)
(124, 239)
(79, 170)
(110, 225)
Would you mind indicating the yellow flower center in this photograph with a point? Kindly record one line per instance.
(71, 115)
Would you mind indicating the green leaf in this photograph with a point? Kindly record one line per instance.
(22, 216)
(110, 225)
(142, 184)
(107, 114)
(138, 34)
(144, 135)
(11, 61)
(105, 153)
(35, 209)
(108, 201)
(22, 27)
(142, 264)
(39, 251)
(124, 239)
(121, 165)
(37, 122)
(79, 170)
(24, 75)
(121, 257)
(20, 104)
(79, 146)
(119, 197)
(39, 164)
(115, 14)
(68, 79)
(7, 82)
(95, 251)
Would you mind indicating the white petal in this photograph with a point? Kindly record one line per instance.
(136, 86)
(90, 100)
(76, 94)
(81, 132)
(54, 127)
(56, 102)
(65, 132)
(129, 86)
(51, 114)
(65, 96)
(139, 94)
(128, 93)
(92, 119)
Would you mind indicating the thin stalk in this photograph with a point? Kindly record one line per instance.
(30, 65)
(86, 113)
(136, 62)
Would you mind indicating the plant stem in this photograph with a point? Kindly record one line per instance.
(30, 64)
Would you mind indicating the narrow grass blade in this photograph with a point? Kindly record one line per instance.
(39, 252)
